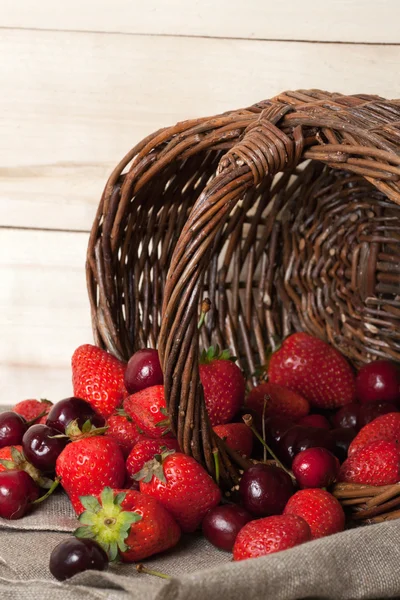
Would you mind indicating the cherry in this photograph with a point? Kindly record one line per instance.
(17, 492)
(71, 409)
(265, 489)
(315, 468)
(75, 555)
(372, 410)
(12, 428)
(378, 381)
(299, 438)
(41, 448)
(143, 371)
(342, 438)
(222, 524)
(347, 416)
(275, 429)
(318, 421)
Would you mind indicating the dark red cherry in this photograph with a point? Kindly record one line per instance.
(371, 411)
(347, 416)
(315, 468)
(12, 428)
(143, 371)
(318, 421)
(222, 524)
(71, 409)
(299, 438)
(342, 438)
(41, 448)
(75, 555)
(17, 492)
(275, 429)
(378, 381)
(265, 489)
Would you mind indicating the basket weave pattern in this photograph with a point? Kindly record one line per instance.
(284, 214)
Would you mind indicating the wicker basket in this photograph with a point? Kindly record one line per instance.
(284, 214)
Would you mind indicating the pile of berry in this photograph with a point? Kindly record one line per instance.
(312, 425)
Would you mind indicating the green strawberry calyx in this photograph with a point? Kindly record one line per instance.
(106, 522)
(154, 467)
(19, 462)
(165, 423)
(215, 353)
(75, 433)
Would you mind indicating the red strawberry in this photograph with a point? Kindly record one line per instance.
(5, 454)
(237, 436)
(269, 535)
(223, 384)
(122, 429)
(182, 486)
(145, 450)
(377, 463)
(317, 371)
(88, 465)
(148, 410)
(127, 524)
(386, 427)
(98, 378)
(319, 508)
(278, 400)
(31, 409)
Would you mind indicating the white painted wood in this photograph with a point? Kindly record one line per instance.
(72, 104)
(331, 20)
(44, 312)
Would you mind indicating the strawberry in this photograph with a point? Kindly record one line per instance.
(87, 465)
(98, 378)
(127, 525)
(148, 410)
(377, 463)
(182, 486)
(237, 436)
(5, 454)
(278, 400)
(32, 409)
(121, 428)
(223, 384)
(319, 508)
(385, 427)
(145, 450)
(269, 535)
(317, 371)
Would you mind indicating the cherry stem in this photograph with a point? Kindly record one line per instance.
(54, 485)
(33, 421)
(205, 307)
(248, 420)
(216, 462)
(142, 569)
(266, 398)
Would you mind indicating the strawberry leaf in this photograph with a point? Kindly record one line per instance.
(87, 426)
(90, 503)
(8, 464)
(107, 498)
(84, 532)
(113, 551)
(119, 498)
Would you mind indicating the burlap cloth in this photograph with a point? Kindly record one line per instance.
(360, 563)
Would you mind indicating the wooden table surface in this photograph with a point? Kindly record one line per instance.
(83, 81)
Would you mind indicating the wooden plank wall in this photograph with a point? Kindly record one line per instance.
(81, 82)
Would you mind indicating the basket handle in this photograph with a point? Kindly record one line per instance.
(263, 150)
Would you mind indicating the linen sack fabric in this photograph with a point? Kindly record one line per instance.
(359, 563)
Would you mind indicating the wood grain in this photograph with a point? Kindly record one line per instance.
(44, 312)
(332, 20)
(72, 104)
